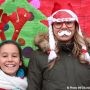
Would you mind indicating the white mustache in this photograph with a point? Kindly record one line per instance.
(64, 33)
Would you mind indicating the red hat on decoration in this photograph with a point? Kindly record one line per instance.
(60, 15)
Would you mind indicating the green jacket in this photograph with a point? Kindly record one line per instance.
(67, 74)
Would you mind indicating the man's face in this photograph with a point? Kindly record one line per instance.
(64, 31)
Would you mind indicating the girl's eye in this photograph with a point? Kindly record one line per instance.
(14, 56)
(4, 55)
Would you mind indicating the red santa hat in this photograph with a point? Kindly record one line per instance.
(61, 15)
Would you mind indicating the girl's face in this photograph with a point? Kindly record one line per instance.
(64, 31)
(9, 59)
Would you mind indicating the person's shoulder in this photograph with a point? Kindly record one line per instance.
(39, 57)
(39, 53)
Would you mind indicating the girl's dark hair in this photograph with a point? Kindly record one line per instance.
(19, 49)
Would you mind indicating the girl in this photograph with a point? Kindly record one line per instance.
(12, 71)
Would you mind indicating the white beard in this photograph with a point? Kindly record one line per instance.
(65, 32)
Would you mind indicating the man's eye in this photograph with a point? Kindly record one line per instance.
(69, 22)
(4, 56)
(58, 23)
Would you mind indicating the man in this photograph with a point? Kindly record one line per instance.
(66, 68)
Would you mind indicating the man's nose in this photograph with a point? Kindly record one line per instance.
(64, 25)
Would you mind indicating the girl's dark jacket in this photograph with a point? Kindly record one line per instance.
(67, 74)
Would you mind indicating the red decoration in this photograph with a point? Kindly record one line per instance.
(2, 1)
(4, 21)
(18, 19)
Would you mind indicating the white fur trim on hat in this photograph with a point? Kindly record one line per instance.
(74, 17)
